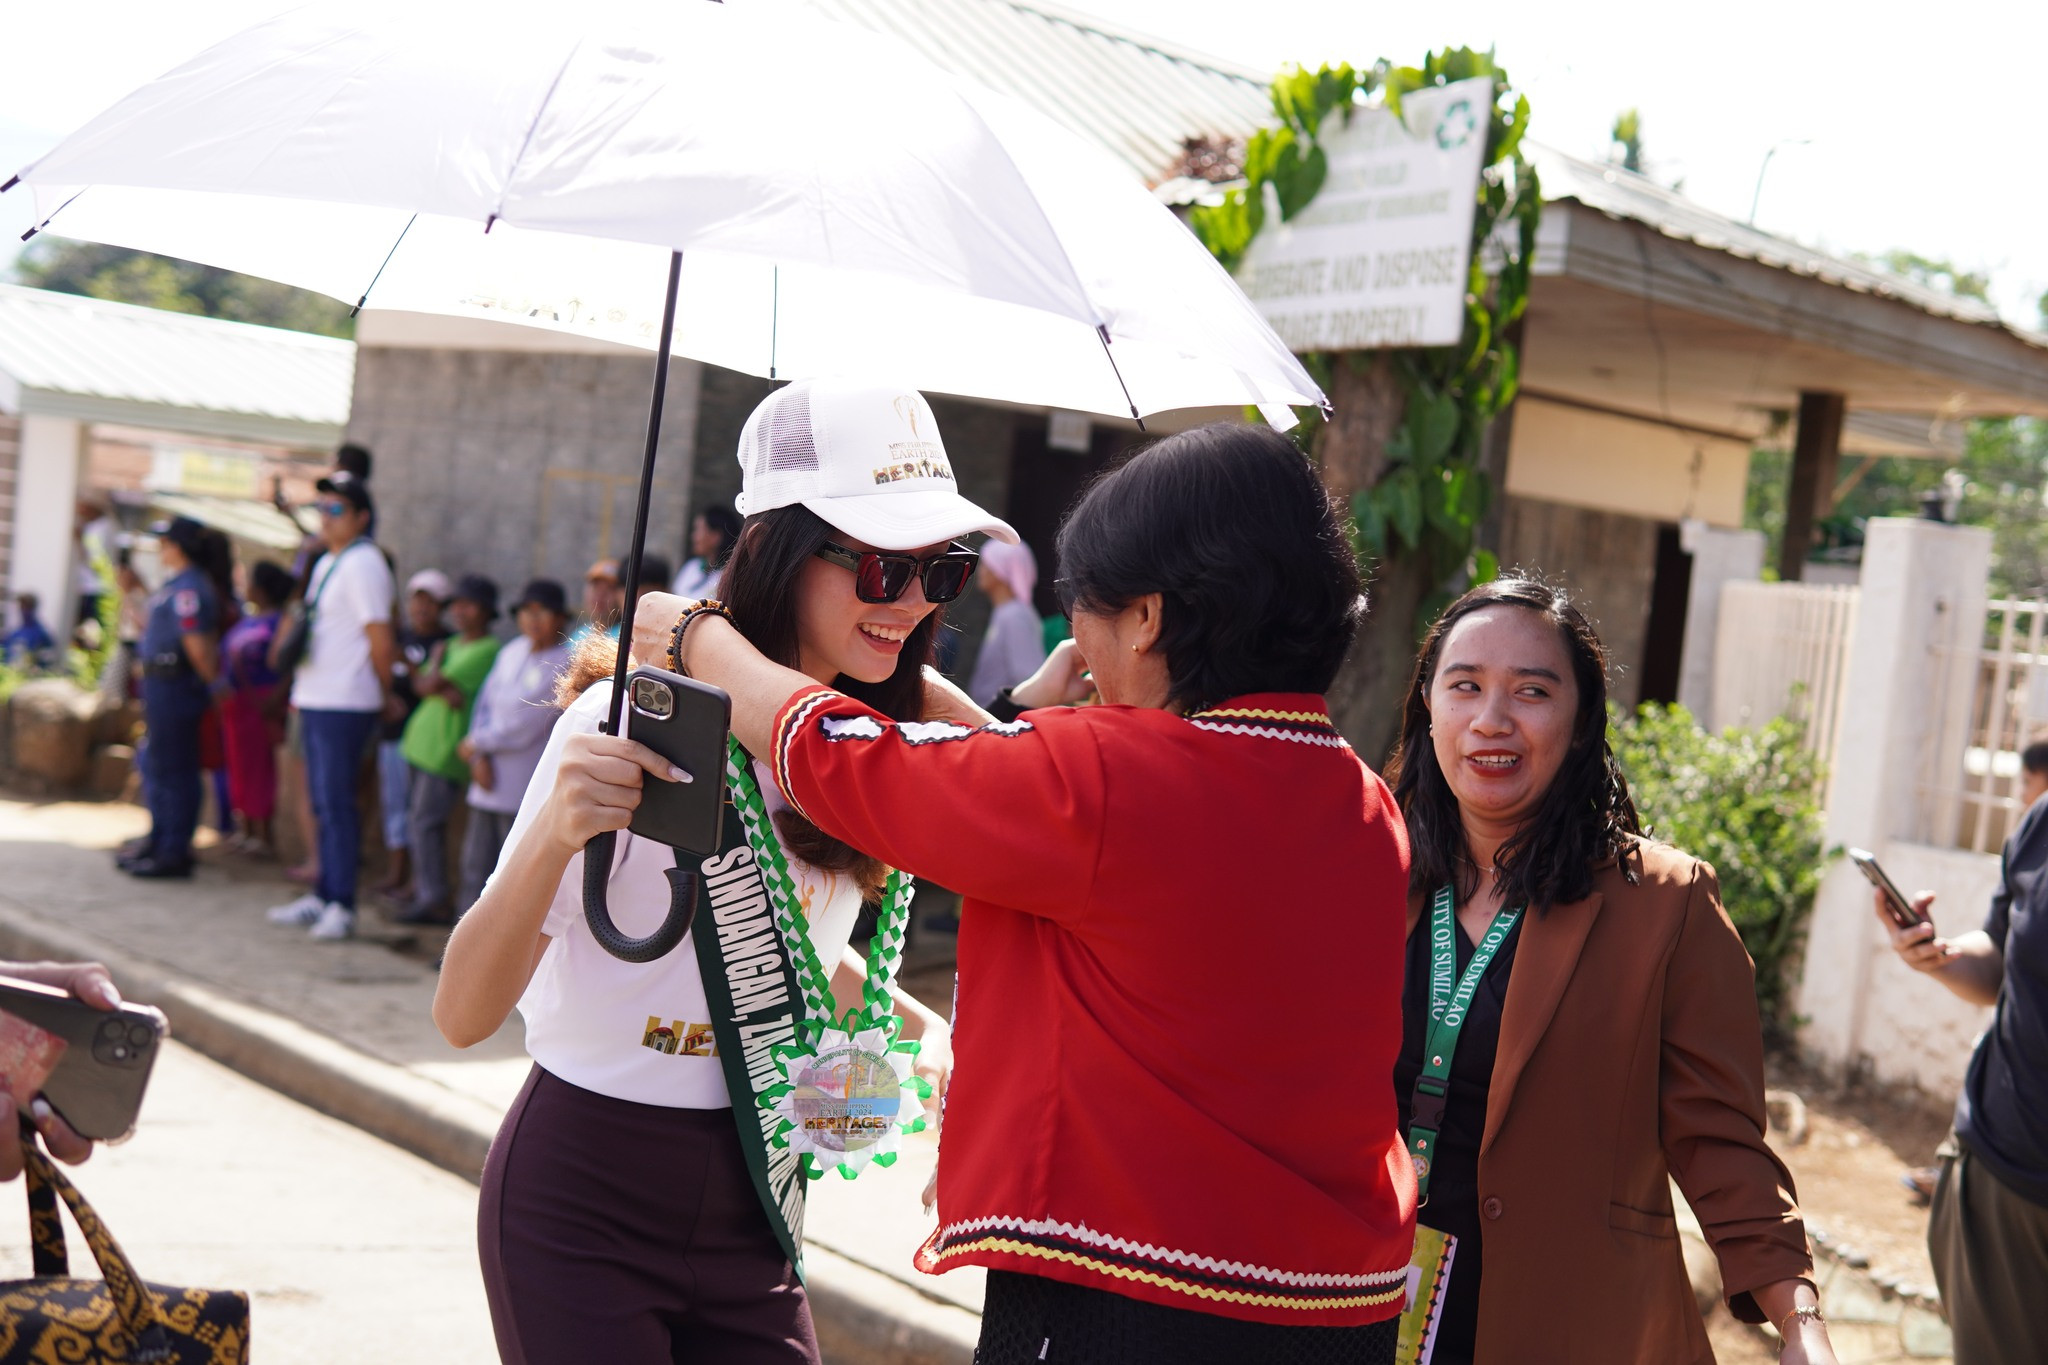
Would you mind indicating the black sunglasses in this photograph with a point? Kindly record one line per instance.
(879, 577)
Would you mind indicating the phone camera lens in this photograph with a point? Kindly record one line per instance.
(113, 1028)
(140, 1035)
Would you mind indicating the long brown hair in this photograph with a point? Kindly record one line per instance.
(760, 589)
(1585, 819)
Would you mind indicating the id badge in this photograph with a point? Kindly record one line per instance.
(1429, 1277)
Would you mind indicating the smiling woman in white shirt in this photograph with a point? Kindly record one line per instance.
(623, 1216)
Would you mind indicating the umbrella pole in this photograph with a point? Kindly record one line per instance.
(597, 854)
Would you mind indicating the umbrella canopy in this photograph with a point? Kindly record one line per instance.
(839, 201)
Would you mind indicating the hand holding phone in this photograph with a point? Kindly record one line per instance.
(101, 1051)
(1902, 911)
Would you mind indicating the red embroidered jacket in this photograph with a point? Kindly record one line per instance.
(1179, 998)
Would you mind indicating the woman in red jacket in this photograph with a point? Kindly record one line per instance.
(1170, 1134)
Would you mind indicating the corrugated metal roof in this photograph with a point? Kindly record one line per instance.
(1622, 193)
(63, 344)
(1136, 95)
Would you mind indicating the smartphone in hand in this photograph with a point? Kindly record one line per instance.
(1895, 903)
(684, 721)
(106, 1056)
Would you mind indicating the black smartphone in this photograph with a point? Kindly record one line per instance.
(1901, 910)
(97, 1085)
(684, 721)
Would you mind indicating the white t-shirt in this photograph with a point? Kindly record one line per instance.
(336, 674)
(641, 1031)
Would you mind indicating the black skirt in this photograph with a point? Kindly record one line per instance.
(1029, 1318)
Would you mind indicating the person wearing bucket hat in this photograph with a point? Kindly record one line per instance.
(180, 656)
(509, 726)
(447, 686)
(842, 569)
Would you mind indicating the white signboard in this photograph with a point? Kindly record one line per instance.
(1379, 258)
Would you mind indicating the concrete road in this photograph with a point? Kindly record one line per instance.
(349, 1248)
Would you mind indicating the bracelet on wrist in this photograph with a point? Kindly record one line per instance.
(1810, 1311)
(709, 607)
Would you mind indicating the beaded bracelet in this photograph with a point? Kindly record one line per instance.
(708, 607)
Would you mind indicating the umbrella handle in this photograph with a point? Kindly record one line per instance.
(682, 905)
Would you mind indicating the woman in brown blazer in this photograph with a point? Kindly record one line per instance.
(1610, 1044)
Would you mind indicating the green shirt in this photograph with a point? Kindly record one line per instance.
(436, 728)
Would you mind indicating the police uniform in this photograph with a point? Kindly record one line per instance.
(174, 698)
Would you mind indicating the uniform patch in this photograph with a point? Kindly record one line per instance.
(185, 602)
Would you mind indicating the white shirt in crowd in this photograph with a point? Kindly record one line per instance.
(514, 712)
(1011, 651)
(640, 1031)
(337, 674)
(696, 579)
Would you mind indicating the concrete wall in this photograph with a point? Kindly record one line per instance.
(1719, 556)
(519, 464)
(10, 451)
(1608, 561)
(1918, 619)
(46, 487)
(1568, 454)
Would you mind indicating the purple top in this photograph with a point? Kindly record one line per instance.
(245, 653)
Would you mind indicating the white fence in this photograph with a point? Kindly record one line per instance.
(1783, 649)
(1972, 787)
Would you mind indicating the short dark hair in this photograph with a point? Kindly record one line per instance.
(2034, 758)
(726, 523)
(1230, 525)
(656, 573)
(355, 459)
(270, 582)
(1586, 818)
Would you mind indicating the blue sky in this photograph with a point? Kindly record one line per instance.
(1919, 123)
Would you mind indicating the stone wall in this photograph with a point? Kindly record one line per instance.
(519, 464)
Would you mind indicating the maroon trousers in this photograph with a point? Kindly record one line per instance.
(630, 1234)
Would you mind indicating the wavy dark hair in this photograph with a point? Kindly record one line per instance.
(1229, 524)
(1586, 819)
(760, 589)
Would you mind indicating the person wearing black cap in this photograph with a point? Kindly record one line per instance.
(447, 687)
(340, 689)
(180, 655)
(509, 727)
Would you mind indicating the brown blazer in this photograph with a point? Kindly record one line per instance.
(1630, 1051)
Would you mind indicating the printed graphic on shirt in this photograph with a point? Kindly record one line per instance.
(679, 1039)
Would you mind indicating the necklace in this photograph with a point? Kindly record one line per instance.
(847, 1093)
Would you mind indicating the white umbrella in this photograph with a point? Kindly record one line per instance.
(830, 200)
(835, 197)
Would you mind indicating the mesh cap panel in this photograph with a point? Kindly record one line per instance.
(782, 439)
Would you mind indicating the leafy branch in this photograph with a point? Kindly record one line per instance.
(1431, 491)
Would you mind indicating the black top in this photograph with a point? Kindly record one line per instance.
(2002, 1113)
(413, 649)
(1454, 1181)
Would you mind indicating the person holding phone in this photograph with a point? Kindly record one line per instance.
(1987, 1230)
(1171, 1136)
(620, 1219)
(1581, 1022)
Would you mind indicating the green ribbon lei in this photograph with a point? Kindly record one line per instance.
(1448, 1007)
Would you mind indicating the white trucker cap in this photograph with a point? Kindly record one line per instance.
(866, 457)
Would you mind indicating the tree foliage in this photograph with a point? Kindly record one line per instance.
(123, 276)
(1628, 136)
(1747, 801)
(1432, 493)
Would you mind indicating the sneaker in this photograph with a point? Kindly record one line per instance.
(336, 921)
(298, 913)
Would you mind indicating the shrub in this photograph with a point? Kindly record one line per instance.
(1747, 801)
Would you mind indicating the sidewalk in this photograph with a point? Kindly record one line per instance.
(346, 1029)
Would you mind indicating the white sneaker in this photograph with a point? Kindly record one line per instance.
(298, 913)
(336, 921)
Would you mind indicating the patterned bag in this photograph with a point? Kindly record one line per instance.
(115, 1321)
